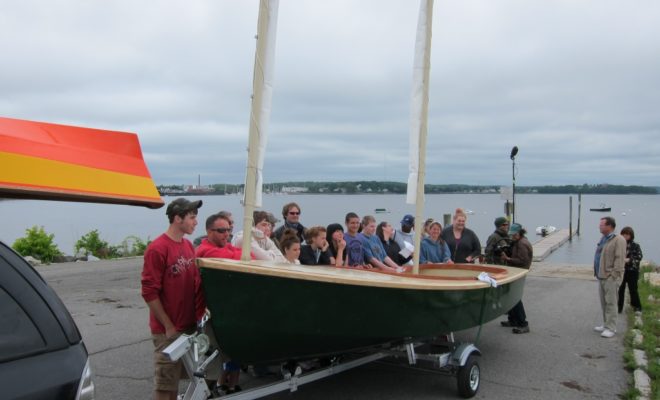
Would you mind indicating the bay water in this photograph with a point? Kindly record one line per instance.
(70, 221)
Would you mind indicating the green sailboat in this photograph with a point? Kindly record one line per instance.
(264, 312)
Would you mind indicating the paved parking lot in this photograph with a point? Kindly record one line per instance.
(561, 358)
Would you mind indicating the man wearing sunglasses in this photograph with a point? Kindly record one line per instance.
(218, 230)
(217, 244)
(291, 214)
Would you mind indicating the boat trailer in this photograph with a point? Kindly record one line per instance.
(454, 359)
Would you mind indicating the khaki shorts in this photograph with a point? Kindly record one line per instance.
(167, 373)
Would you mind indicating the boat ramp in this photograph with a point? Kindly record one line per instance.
(546, 245)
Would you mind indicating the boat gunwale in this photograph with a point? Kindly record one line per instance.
(364, 277)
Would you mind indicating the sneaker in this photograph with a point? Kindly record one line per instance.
(607, 333)
(521, 329)
(599, 328)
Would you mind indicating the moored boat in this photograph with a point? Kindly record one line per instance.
(601, 208)
(264, 313)
(381, 211)
(545, 230)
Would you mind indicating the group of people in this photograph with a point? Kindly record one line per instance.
(171, 283)
(359, 243)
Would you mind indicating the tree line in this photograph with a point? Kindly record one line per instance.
(388, 187)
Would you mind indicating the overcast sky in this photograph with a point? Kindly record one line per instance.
(574, 84)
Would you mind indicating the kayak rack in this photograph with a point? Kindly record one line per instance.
(455, 359)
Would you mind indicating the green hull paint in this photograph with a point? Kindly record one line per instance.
(259, 318)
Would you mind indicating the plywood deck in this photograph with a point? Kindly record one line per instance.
(441, 280)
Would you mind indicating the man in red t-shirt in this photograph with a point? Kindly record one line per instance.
(171, 286)
(216, 244)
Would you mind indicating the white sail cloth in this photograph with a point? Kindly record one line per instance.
(419, 100)
(262, 98)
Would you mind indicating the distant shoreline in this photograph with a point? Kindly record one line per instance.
(400, 194)
(399, 188)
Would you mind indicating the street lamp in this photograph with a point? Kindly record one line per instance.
(514, 152)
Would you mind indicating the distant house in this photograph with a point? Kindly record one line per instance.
(294, 189)
(198, 189)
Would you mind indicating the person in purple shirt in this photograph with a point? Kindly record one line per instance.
(354, 251)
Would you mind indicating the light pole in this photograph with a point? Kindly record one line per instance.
(514, 151)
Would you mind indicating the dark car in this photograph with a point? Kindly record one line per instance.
(42, 355)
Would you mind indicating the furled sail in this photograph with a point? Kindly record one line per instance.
(264, 60)
(419, 119)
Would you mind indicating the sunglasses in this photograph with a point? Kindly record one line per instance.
(221, 230)
(294, 212)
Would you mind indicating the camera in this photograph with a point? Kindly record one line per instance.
(502, 247)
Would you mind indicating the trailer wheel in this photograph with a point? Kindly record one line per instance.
(468, 378)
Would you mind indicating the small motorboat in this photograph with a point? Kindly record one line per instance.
(545, 230)
(602, 208)
(382, 211)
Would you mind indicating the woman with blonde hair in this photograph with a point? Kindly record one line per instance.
(463, 243)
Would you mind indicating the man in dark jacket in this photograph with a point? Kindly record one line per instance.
(291, 214)
(498, 241)
(521, 257)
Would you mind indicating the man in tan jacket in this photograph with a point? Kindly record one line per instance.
(609, 264)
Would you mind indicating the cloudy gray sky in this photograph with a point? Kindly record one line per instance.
(574, 84)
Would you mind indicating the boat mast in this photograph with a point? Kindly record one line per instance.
(419, 120)
(262, 94)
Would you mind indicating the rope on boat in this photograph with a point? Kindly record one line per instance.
(481, 316)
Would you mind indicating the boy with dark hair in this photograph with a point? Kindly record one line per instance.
(171, 287)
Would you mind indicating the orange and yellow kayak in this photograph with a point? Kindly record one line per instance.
(58, 162)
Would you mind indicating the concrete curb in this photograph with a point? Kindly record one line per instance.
(640, 377)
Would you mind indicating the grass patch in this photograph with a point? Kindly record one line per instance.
(650, 298)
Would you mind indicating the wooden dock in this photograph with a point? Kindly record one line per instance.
(550, 243)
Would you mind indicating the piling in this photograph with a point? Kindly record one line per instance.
(579, 212)
(570, 218)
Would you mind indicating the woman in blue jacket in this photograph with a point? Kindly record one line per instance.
(433, 248)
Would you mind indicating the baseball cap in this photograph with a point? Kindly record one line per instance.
(408, 220)
(272, 219)
(514, 228)
(499, 221)
(181, 206)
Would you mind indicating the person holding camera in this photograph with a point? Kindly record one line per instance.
(498, 242)
(521, 257)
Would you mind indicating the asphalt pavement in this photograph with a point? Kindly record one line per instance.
(561, 358)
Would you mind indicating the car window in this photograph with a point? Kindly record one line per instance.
(18, 334)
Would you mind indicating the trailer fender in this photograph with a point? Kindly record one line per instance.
(460, 355)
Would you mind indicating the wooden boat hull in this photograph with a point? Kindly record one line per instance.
(272, 314)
